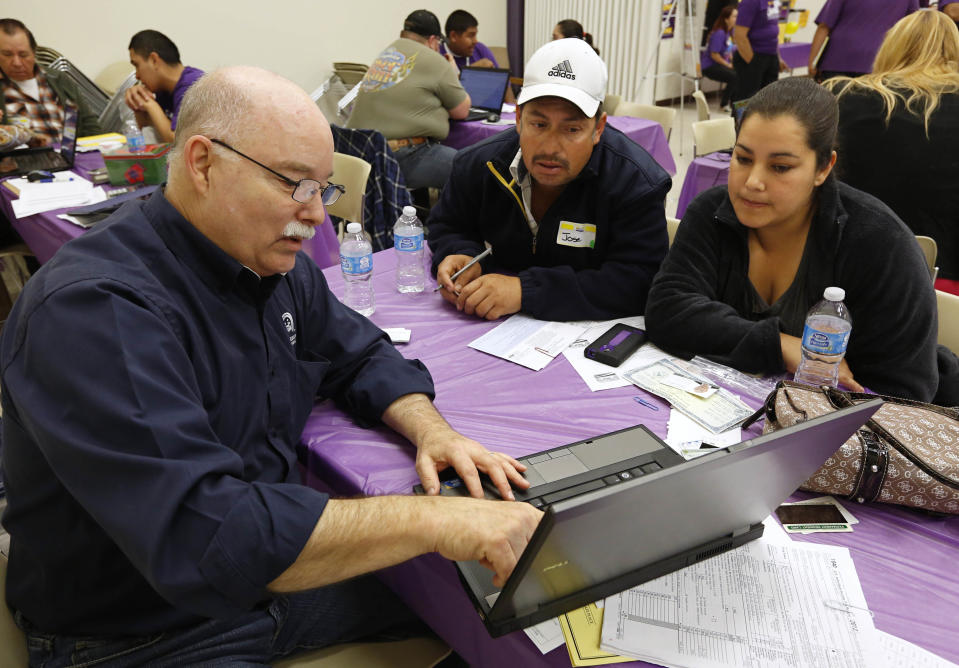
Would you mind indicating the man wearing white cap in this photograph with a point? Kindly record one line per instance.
(572, 209)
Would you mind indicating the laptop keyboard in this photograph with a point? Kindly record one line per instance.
(44, 160)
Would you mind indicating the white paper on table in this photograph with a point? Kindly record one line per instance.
(774, 604)
(899, 653)
(685, 436)
(598, 376)
(528, 342)
(547, 635)
(67, 190)
(773, 531)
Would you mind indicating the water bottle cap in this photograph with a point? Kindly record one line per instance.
(834, 294)
(353, 228)
(409, 211)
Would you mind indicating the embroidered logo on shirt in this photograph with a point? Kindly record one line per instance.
(287, 319)
(563, 70)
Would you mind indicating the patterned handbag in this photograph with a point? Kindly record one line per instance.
(907, 453)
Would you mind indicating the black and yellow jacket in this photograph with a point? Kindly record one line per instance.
(620, 191)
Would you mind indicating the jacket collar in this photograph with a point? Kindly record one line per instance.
(828, 224)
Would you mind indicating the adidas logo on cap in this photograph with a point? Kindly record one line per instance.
(563, 70)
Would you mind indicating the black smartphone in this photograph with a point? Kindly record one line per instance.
(616, 344)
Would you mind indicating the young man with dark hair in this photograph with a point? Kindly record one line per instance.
(163, 82)
(571, 208)
(31, 92)
(461, 42)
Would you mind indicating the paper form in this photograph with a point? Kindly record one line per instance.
(547, 635)
(582, 628)
(684, 435)
(762, 605)
(528, 342)
(899, 652)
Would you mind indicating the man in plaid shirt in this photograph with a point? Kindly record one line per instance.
(39, 96)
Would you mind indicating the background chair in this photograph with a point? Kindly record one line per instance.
(501, 53)
(702, 108)
(714, 135)
(419, 652)
(115, 115)
(353, 173)
(672, 225)
(948, 320)
(350, 73)
(95, 98)
(662, 115)
(931, 251)
(611, 104)
(13, 276)
(113, 76)
(13, 643)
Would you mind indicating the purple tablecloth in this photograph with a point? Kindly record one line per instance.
(703, 173)
(905, 559)
(646, 133)
(44, 233)
(795, 54)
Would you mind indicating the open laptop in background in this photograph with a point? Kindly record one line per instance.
(609, 536)
(487, 89)
(20, 161)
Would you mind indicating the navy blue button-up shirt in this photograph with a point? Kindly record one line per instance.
(154, 391)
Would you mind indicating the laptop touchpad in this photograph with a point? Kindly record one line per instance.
(560, 467)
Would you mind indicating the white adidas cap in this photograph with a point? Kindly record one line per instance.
(567, 68)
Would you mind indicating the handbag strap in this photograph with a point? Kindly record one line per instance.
(872, 472)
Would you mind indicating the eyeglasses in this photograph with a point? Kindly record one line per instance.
(303, 190)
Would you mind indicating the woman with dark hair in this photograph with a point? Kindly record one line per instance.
(572, 28)
(716, 61)
(750, 259)
(899, 131)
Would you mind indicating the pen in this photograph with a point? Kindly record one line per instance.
(651, 406)
(468, 265)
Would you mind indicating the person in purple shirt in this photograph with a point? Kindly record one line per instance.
(855, 29)
(756, 36)
(461, 43)
(950, 8)
(716, 61)
(163, 81)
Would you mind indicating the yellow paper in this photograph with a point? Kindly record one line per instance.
(583, 628)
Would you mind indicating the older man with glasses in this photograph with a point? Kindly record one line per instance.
(154, 504)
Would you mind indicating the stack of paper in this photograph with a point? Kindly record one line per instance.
(527, 341)
(94, 142)
(68, 189)
(766, 603)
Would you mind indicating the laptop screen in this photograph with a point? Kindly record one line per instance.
(486, 86)
(68, 142)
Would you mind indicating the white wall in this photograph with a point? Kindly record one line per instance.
(296, 38)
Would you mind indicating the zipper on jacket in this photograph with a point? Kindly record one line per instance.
(509, 189)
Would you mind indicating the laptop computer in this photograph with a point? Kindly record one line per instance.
(655, 518)
(487, 88)
(19, 161)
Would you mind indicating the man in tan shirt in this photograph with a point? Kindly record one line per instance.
(409, 94)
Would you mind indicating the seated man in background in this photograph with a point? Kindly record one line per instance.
(574, 207)
(39, 96)
(151, 466)
(951, 9)
(164, 80)
(461, 42)
(409, 94)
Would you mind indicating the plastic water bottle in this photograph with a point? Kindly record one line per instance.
(356, 261)
(824, 340)
(408, 242)
(135, 141)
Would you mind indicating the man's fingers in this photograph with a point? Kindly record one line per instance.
(494, 469)
(426, 470)
(467, 471)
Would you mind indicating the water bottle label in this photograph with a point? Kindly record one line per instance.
(411, 243)
(356, 265)
(825, 343)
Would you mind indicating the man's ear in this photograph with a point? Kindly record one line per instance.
(198, 161)
(154, 59)
(600, 126)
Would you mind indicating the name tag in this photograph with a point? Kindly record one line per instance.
(577, 235)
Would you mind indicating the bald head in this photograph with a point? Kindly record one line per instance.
(233, 102)
(245, 138)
